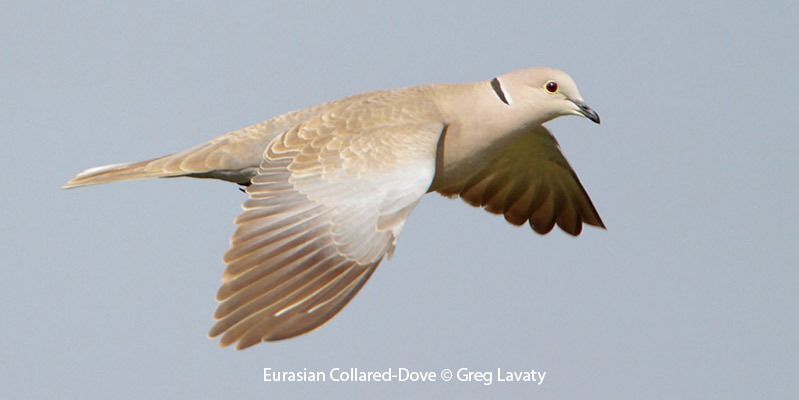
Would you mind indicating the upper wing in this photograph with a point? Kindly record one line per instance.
(326, 205)
(532, 181)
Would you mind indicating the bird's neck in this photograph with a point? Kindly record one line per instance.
(477, 105)
(480, 126)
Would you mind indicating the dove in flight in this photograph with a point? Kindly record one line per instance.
(330, 187)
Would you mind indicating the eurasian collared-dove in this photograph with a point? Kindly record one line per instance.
(330, 187)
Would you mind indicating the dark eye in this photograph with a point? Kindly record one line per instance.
(552, 86)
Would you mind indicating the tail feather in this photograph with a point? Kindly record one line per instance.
(233, 157)
(119, 173)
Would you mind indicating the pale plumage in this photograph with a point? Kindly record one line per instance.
(331, 186)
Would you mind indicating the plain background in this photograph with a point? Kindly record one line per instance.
(691, 293)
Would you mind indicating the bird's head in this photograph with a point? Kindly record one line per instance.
(542, 93)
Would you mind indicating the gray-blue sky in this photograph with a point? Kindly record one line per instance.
(691, 293)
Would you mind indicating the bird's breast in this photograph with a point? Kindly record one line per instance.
(462, 153)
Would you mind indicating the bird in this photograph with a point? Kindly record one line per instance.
(330, 187)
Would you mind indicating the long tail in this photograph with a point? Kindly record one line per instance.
(233, 158)
(124, 172)
(219, 159)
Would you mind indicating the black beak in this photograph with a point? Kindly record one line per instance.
(588, 112)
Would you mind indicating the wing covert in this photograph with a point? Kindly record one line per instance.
(325, 207)
(531, 182)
